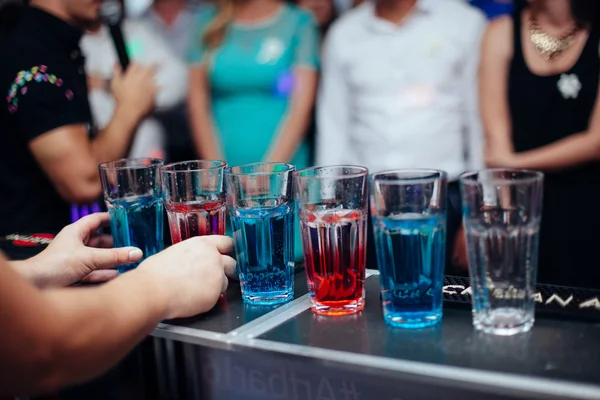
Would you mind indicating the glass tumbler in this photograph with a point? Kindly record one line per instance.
(332, 205)
(408, 210)
(502, 215)
(133, 196)
(262, 211)
(194, 198)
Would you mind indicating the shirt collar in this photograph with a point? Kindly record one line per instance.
(377, 24)
(186, 12)
(45, 26)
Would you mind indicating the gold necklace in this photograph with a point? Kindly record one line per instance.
(550, 46)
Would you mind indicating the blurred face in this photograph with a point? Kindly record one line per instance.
(322, 10)
(554, 6)
(83, 12)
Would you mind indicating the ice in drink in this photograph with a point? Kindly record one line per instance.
(411, 257)
(137, 221)
(503, 262)
(333, 242)
(264, 243)
(191, 219)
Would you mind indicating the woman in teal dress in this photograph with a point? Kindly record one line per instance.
(253, 78)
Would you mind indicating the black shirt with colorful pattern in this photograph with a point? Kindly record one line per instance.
(44, 84)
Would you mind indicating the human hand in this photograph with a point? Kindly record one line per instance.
(135, 89)
(96, 82)
(78, 253)
(192, 274)
(500, 158)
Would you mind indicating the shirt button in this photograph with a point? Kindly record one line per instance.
(80, 70)
(74, 54)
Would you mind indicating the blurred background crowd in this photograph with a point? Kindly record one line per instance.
(454, 85)
(281, 47)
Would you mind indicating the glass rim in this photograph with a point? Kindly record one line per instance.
(139, 163)
(427, 176)
(288, 168)
(217, 164)
(530, 176)
(362, 171)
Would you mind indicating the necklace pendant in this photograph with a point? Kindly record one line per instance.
(549, 46)
(569, 86)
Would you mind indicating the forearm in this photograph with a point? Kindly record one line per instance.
(30, 271)
(86, 331)
(565, 153)
(114, 141)
(204, 134)
(293, 129)
(500, 143)
(289, 139)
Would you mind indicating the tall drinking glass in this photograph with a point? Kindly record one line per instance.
(261, 207)
(333, 214)
(194, 198)
(502, 214)
(133, 196)
(408, 210)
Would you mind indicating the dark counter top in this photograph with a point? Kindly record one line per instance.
(231, 313)
(553, 349)
(557, 359)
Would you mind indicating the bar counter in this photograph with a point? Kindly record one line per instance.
(238, 351)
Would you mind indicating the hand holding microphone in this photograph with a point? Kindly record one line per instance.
(111, 13)
(132, 85)
(135, 89)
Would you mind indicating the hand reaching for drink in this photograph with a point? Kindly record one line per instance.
(192, 274)
(78, 253)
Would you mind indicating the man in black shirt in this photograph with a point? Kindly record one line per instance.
(49, 151)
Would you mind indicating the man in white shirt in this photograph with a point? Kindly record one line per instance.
(174, 20)
(399, 90)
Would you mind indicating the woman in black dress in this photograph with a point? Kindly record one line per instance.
(539, 84)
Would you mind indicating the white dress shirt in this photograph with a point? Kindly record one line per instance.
(178, 34)
(402, 95)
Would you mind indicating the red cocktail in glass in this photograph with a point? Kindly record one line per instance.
(333, 214)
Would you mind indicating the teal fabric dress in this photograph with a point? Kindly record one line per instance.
(251, 81)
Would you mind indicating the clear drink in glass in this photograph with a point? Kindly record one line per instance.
(333, 213)
(133, 196)
(194, 198)
(408, 210)
(502, 215)
(262, 210)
